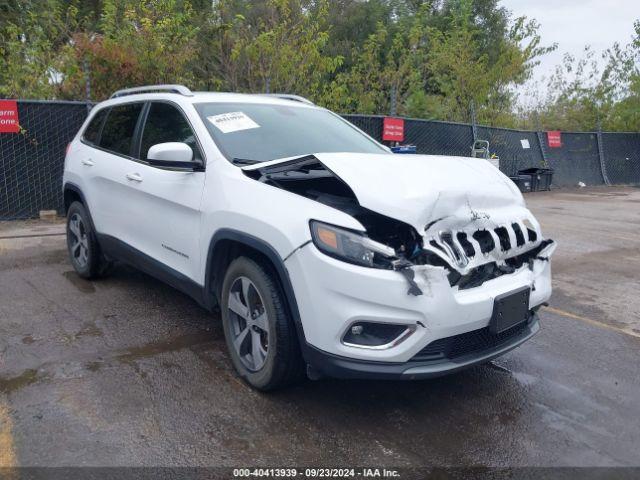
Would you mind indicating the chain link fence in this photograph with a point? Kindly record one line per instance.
(586, 157)
(577, 160)
(621, 153)
(32, 161)
(429, 136)
(517, 149)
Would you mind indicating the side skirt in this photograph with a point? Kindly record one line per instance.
(119, 250)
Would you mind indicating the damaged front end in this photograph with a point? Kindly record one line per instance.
(472, 233)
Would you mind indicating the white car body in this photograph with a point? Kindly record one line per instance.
(171, 221)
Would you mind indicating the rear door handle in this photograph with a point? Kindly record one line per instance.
(134, 177)
(88, 162)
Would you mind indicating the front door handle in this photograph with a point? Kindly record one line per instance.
(88, 162)
(134, 177)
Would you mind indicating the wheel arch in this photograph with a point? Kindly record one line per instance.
(228, 244)
(72, 193)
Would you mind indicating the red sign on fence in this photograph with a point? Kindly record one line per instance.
(554, 139)
(9, 116)
(393, 129)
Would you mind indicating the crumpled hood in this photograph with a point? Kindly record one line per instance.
(466, 211)
(428, 190)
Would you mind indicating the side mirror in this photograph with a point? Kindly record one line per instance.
(172, 155)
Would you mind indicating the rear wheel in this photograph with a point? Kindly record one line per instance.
(259, 332)
(82, 244)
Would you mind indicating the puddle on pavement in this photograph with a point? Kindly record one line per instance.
(85, 286)
(87, 330)
(9, 385)
(521, 377)
(28, 257)
(164, 346)
(525, 379)
(500, 368)
(608, 194)
(93, 366)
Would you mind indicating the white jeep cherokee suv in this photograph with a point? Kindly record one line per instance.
(325, 253)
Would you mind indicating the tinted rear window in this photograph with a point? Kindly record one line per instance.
(92, 133)
(117, 133)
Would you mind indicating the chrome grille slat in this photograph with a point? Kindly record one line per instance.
(463, 246)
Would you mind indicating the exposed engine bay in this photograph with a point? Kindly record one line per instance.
(472, 255)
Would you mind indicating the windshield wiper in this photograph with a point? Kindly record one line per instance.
(245, 161)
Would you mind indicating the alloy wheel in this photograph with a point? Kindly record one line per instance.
(79, 241)
(249, 323)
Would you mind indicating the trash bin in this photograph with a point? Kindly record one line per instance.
(540, 178)
(523, 182)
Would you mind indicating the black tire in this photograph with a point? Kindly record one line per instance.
(95, 265)
(283, 364)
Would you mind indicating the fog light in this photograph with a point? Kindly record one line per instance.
(376, 335)
(357, 329)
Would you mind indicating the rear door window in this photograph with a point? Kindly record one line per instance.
(118, 131)
(92, 132)
(165, 123)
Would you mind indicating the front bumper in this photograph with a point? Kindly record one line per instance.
(332, 295)
(340, 367)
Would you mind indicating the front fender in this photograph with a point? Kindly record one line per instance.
(277, 217)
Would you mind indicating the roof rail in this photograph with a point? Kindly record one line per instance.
(289, 96)
(181, 89)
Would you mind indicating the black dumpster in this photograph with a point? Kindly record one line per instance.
(523, 182)
(540, 178)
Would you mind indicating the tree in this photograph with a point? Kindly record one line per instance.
(137, 43)
(31, 36)
(352, 23)
(420, 58)
(625, 113)
(50, 50)
(387, 69)
(284, 50)
(469, 70)
(583, 95)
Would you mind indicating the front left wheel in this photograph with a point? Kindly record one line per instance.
(82, 244)
(259, 331)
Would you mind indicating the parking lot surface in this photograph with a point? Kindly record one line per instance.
(126, 371)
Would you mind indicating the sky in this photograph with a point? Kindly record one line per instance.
(572, 24)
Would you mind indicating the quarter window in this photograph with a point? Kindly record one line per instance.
(92, 132)
(165, 123)
(118, 130)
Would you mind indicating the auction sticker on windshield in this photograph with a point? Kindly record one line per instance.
(232, 122)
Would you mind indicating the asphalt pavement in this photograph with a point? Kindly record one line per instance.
(126, 371)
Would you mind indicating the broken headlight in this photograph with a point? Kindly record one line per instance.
(352, 247)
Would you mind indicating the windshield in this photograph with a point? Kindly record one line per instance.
(252, 132)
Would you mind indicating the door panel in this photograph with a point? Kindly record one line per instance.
(164, 205)
(110, 159)
(91, 168)
(163, 215)
(109, 196)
